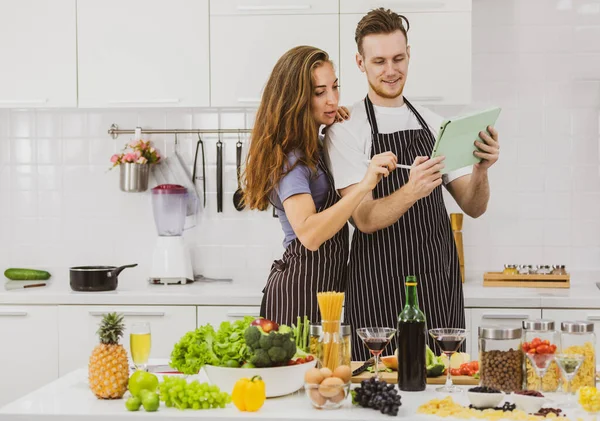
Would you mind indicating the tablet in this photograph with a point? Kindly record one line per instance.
(456, 138)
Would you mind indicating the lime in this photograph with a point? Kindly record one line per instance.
(142, 380)
(133, 403)
(150, 401)
(232, 364)
(248, 365)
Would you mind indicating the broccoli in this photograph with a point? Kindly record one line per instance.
(270, 349)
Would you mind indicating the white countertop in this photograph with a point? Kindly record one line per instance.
(70, 398)
(582, 294)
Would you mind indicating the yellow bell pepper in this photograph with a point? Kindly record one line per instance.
(249, 394)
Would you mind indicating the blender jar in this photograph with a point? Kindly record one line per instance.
(169, 204)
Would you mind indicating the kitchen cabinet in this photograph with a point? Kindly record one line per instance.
(508, 317)
(440, 50)
(217, 314)
(143, 53)
(39, 53)
(240, 65)
(29, 349)
(572, 315)
(78, 325)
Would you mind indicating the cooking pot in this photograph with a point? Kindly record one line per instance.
(96, 278)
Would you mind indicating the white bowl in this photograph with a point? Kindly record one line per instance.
(485, 400)
(279, 381)
(529, 404)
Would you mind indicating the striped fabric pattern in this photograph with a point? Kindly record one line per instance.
(295, 279)
(420, 243)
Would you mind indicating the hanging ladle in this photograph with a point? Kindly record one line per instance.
(238, 196)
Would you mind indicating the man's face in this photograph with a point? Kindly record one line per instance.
(385, 61)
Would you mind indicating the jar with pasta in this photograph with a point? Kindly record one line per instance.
(578, 338)
(346, 339)
(330, 346)
(541, 337)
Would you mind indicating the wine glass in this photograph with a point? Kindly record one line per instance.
(449, 340)
(140, 343)
(376, 339)
(540, 362)
(569, 364)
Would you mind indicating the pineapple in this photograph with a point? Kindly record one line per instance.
(108, 369)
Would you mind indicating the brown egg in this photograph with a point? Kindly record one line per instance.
(330, 387)
(326, 372)
(313, 376)
(339, 397)
(316, 397)
(343, 372)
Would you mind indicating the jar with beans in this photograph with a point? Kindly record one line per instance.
(578, 338)
(541, 339)
(501, 358)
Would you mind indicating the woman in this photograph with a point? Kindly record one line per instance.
(285, 167)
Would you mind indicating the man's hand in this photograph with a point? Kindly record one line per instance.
(342, 114)
(425, 176)
(489, 149)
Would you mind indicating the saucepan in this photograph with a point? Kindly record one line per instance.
(96, 278)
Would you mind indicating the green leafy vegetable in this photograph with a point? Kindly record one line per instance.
(302, 334)
(270, 349)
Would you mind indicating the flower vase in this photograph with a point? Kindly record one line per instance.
(134, 177)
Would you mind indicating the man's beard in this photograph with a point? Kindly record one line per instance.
(387, 95)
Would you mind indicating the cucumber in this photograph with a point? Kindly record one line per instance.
(19, 274)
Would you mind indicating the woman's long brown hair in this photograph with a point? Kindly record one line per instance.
(283, 123)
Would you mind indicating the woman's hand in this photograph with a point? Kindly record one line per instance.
(342, 114)
(380, 166)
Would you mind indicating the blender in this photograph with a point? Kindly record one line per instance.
(171, 263)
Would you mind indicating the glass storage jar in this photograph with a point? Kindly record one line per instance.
(501, 357)
(541, 336)
(510, 270)
(578, 337)
(346, 341)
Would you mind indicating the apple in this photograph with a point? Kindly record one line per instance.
(265, 324)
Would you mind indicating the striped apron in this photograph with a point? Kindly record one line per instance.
(295, 279)
(420, 243)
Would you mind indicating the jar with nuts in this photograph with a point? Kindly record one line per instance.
(501, 358)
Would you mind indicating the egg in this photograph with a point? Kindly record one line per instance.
(339, 397)
(316, 397)
(330, 387)
(326, 372)
(313, 376)
(343, 372)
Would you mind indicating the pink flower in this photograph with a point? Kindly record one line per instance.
(114, 159)
(142, 160)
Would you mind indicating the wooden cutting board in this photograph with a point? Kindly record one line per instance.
(393, 377)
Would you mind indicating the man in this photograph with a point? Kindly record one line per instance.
(403, 228)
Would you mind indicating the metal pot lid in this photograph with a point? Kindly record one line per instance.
(315, 330)
(500, 332)
(540, 324)
(169, 189)
(92, 268)
(577, 327)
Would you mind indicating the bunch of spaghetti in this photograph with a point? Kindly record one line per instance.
(330, 306)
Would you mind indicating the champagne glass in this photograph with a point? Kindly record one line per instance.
(449, 340)
(376, 339)
(140, 343)
(540, 362)
(569, 364)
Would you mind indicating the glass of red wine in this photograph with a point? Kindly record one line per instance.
(449, 340)
(376, 339)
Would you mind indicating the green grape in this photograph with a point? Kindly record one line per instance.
(177, 392)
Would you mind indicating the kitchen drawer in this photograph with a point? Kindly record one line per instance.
(78, 326)
(404, 6)
(571, 315)
(508, 317)
(217, 314)
(29, 350)
(272, 7)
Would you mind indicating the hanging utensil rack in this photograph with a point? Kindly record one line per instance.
(114, 131)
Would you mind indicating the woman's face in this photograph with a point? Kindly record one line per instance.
(325, 94)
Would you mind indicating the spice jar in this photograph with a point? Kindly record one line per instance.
(501, 358)
(541, 337)
(559, 270)
(346, 342)
(510, 270)
(544, 270)
(578, 337)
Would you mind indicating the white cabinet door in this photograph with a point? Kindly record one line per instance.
(143, 53)
(78, 326)
(272, 7)
(240, 65)
(217, 314)
(29, 350)
(440, 57)
(572, 315)
(468, 326)
(38, 46)
(507, 317)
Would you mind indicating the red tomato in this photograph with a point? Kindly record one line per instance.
(552, 349)
(542, 349)
(545, 342)
(310, 358)
(455, 371)
(536, 342)
(474, 365)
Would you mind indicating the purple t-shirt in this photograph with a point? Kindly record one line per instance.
(298, 181)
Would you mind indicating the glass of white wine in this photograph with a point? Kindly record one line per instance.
(140, 343)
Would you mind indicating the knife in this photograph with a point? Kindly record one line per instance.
(363, 367)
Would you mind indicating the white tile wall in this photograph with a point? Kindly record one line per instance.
(538, 59)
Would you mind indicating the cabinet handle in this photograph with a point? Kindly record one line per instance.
(145, 101)
(506, 316)
(249, 100)
(130, 313)
(9, 313)
(273, 7)
(252, 313)
(428, 98)
(22, 101)
(595, 318)
(413, 4)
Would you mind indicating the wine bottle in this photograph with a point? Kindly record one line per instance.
(412, 334)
